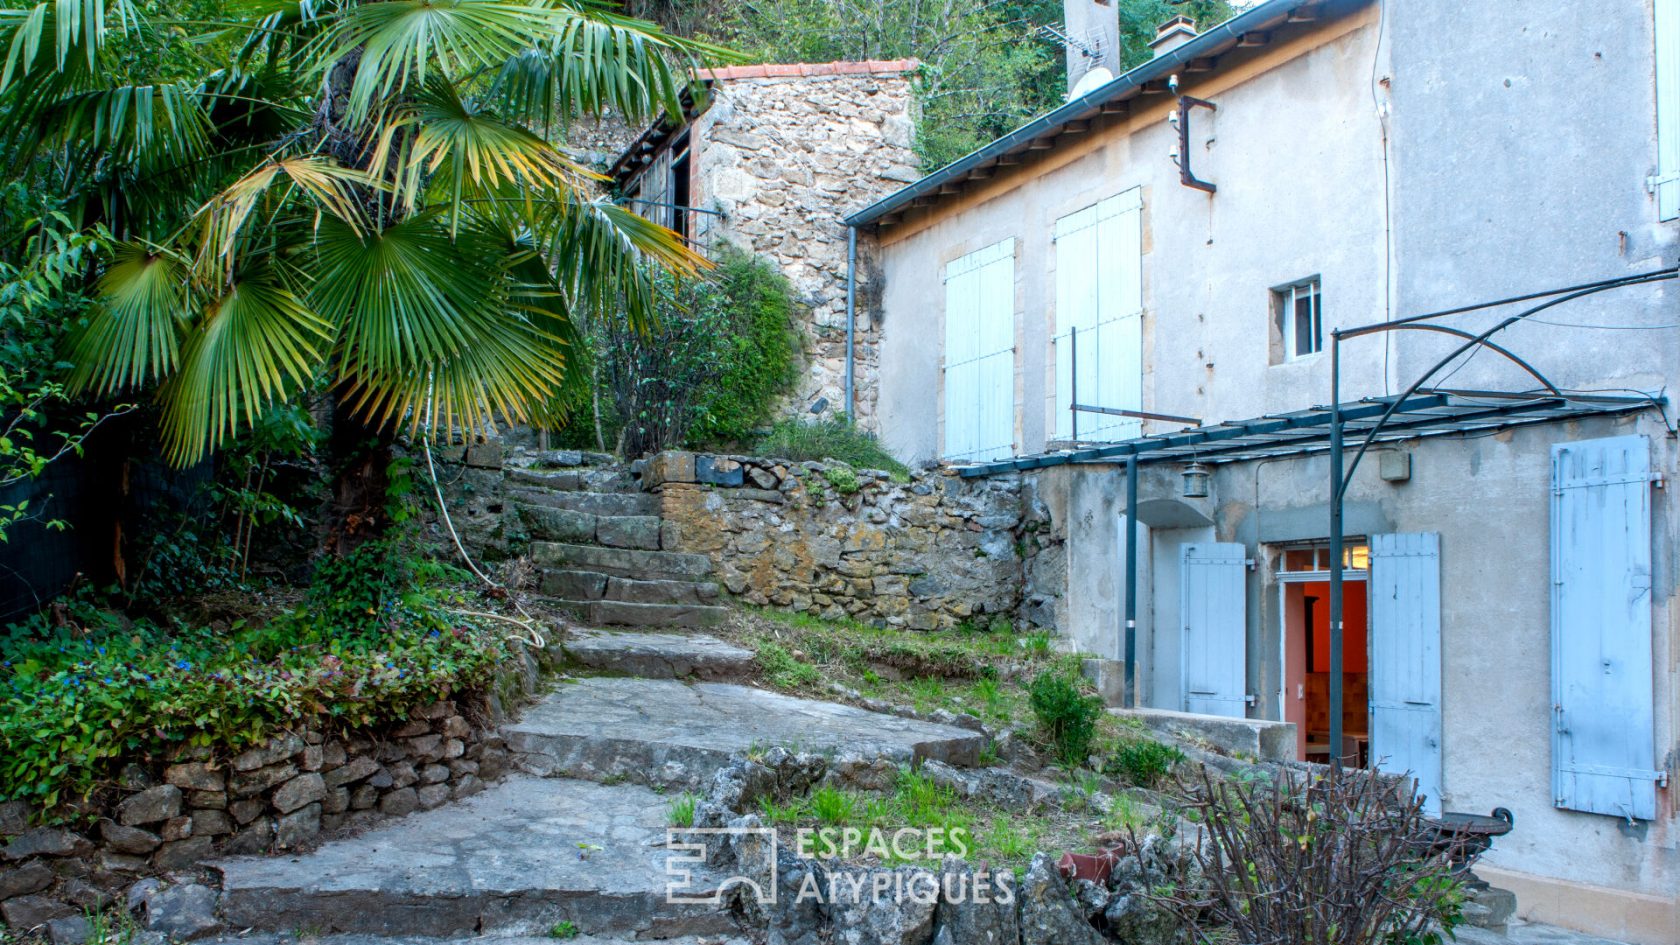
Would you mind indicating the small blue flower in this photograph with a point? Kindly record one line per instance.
(109, 681)
(183, 665)
(101, 651)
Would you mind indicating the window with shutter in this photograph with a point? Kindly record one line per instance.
(1603, 733)
(1667, 182)
(1099, 312)
(979, 355)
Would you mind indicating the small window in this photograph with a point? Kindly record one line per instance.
(1299, 318)
(1356, 556)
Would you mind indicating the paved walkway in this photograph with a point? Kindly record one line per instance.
(1522, 933)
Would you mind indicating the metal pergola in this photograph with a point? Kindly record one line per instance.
(1417, 413)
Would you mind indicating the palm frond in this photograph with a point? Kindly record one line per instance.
(427, 327)
(76, 28)
(131, 123)
(333, 189)
(595, 62)
(603, 255)
(465, 150)
(256, 343)
(133, 335)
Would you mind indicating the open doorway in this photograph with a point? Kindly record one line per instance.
(1304, 586)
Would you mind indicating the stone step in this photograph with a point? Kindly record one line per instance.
(593, 503)
(617, 613)
(547, 523)
(657, 655)
(634, 563)
(493, 939)
(576, 480)
(676, 735)
(518, 858)
(594, 585)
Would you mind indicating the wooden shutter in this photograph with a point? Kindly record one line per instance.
(1099, 293)
(979, 356)
(1603, 739)
(1214, 581)
(1405, 597)
(1668, 109)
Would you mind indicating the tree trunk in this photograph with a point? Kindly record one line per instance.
(360, 461)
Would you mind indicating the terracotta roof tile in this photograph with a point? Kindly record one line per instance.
(801, 69)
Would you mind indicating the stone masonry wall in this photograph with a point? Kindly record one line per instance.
(823, 539)
(300, 786)
(784, 153)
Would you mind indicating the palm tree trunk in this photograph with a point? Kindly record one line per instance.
(360, 458)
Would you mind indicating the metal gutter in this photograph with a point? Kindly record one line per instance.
(1266, 15)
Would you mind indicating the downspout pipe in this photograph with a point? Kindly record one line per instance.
(851, 322)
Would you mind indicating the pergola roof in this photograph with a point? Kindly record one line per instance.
(1425, 413)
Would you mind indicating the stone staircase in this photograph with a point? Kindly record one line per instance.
(603, 551)
(576, 840)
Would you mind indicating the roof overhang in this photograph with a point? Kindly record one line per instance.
(1265, 24)
(1424, 414)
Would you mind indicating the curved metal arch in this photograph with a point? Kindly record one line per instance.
(1497, 348)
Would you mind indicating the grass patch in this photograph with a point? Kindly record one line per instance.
(681, 813)
(1142, 761)
(830, 439)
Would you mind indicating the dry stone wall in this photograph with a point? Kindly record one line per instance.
(285, 794)
(784, 153)
(824, 539)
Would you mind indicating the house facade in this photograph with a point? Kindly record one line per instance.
(766, 160)
(1172, 253)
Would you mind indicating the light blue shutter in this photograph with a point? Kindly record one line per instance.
(1668, 109)
(1603, 740)
(1215, 609)
(1405, 598)
(979, 354)
(1099, 292)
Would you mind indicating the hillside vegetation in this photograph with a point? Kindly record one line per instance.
(985, 69)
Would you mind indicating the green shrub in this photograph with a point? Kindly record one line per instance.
(1066, 715)
(1143, 761)
(758, 357)
(802, 441)
(707, 371)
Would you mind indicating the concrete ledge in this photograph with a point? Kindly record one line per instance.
(1635, 918)
(1258, 738)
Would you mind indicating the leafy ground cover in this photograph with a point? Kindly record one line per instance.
(84, 689)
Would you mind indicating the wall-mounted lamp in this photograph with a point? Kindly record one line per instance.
(1196, 476)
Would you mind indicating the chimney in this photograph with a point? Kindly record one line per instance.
(1093, 43)
(1172, 34)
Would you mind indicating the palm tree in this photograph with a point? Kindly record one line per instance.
(362, 194)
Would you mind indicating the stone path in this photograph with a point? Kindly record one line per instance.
(579, 835)
(671, 734)
(522, 856)
(1521, 933)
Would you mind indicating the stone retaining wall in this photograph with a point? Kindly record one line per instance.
(928, 553)
(285, 794)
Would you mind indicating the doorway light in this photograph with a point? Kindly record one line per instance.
(1196, 477)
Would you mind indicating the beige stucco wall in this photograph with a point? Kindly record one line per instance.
(1294, 201)
(1518, 140)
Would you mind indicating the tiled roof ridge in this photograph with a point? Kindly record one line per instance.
(803, 69)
